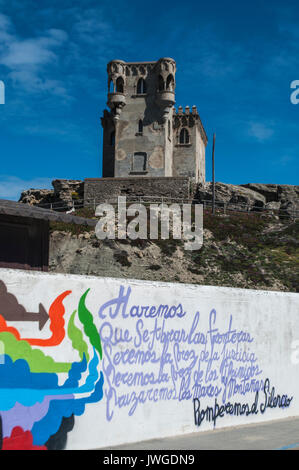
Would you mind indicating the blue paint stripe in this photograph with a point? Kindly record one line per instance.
(291, 446)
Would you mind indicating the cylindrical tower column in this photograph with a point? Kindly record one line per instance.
(165, 94)
(117, 75)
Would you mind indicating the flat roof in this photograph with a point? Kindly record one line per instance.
(144, 62)
(141, 62)
(20, 209)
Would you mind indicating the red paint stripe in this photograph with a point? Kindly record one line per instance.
(20, 440)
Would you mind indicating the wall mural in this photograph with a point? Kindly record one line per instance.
(129, 356)
(211, 366)
(35, 411)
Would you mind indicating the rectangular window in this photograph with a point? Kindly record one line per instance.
(139, 163)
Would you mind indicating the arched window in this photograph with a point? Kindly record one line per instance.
(140, 126)
(141, 86)
(170, 82)
(120, 85)
(112, 138)
(184, 137)
(160, 83)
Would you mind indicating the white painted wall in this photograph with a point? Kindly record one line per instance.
(266, 325)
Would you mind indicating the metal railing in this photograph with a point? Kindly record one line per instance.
(226, 207)
(220, 206)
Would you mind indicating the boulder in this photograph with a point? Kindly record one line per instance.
(64, 196)
(289, 209)
(36, 197)
(288, 193)
(273, 206)
(269, 191)
(230, 194)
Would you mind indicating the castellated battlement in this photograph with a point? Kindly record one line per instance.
(188, 119)
(180, 110)
(140, 78)
(120, 67)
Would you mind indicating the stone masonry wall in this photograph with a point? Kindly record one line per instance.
(101, 189)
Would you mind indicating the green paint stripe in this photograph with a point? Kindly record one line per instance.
(89, 327)
(36, 359)
(76, 337)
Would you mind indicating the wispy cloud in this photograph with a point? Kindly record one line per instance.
(26, 59)
(285, 160)
(33, 52)
(260, 131)
(11, 187)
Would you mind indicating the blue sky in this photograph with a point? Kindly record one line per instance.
(235, 61)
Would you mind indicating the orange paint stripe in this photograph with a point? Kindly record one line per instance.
(56, 313)
(4, 327)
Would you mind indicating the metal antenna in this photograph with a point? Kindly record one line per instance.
(213, 171)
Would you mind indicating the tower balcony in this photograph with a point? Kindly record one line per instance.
(116, 99)
(165, 98)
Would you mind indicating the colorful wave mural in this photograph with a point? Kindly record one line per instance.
(40, 397)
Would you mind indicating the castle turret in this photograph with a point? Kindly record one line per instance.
(190, 141)
(138, 128)
(143, 133)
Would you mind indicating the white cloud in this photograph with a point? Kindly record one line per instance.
(285, 160)
(30, 81)
(5, 27)
(26, 58)
(11, 186)
(90, 26)
(260, 131)
(33, 52)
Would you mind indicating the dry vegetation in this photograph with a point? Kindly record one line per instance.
(240, 250)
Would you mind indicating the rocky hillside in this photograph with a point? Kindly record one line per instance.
(240, 250)
(256, 249)
(280, 199)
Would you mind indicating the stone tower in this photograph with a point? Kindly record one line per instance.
(143, 133)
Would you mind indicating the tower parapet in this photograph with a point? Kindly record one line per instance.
(185, 119)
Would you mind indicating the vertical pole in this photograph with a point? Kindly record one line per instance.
(213, 171)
